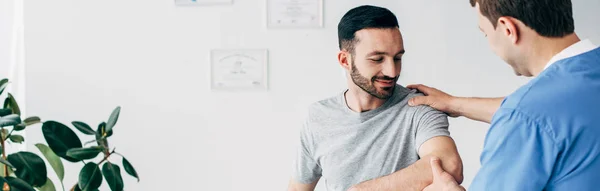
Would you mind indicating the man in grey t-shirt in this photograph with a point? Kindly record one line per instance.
(367, 137)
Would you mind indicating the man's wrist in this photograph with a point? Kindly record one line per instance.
(456, 106)
(381, 183)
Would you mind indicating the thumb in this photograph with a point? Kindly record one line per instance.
(418, 100)
(436, 167)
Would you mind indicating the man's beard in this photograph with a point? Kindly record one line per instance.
(368, 85)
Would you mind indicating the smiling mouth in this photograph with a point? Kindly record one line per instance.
(386, 82)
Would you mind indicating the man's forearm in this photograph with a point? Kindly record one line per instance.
(479, 109)
(414, 177)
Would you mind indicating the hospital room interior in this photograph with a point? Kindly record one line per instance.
(214, 95)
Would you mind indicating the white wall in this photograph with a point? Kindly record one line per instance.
(150, 57)
(6, 23)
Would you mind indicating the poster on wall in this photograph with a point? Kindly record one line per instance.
(202, 2)
(294, 13)
(239, 69)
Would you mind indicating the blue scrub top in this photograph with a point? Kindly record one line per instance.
(546, 135)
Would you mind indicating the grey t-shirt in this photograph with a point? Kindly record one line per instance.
(345, 148)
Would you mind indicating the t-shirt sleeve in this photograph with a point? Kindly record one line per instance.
(518, 154)
(430, 123)
(307, 170)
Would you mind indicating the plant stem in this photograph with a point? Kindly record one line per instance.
(106, 155)
(4, 154)
(86, 143)
(9, 133)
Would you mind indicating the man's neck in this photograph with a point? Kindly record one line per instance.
(360, 101)
(545, 48)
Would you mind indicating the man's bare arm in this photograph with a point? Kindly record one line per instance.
(479, 109)
(418, 175)
(296, 186)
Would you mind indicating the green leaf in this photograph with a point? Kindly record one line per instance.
(10, 120)
(7, 104)
(6, 163)
(129, 169)
(112, 174)
(5, 112)
(18, 184)
(60, 139)
(89, 142)
(102, 135)
(114, 116)
(76, 188)
(84, 153)
(49, 186)
(102, 130)
(32, 120)
(90, 177)
(84, 128)
(3, 182)
(20, 127)
(13, 104)
(3, 84)
(53, 159)
(29, 167)
(16, 138)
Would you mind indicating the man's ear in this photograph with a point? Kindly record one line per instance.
(344, 58)
(509, 28)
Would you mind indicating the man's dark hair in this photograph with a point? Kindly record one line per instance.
(549, 18)
(363, 17)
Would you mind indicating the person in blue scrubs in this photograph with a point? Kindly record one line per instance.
(546, 135)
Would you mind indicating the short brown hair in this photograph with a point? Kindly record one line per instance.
(363, 17)
(549, 18)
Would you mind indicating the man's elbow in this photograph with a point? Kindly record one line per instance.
(455, 168)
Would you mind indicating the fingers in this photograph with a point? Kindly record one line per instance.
(436, 167)
(422, 88)
(416, 86)
(418, 100)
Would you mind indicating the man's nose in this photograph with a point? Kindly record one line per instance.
(390, 68)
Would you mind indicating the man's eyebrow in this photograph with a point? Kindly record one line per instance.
(376, 53)
(384, 53)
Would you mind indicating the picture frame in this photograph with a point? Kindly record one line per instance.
(294, 14)
(202, 2)
(239, 69)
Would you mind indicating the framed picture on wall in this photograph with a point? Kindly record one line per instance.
(294, 13)
(202, 2)
(243, 69)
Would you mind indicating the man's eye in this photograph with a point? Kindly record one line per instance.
(376, 59)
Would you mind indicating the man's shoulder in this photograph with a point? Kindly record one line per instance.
(407, 94)
(550, 95)
(325, 108)
(325, 105)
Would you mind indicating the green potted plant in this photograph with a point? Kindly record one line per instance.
(26, 171)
